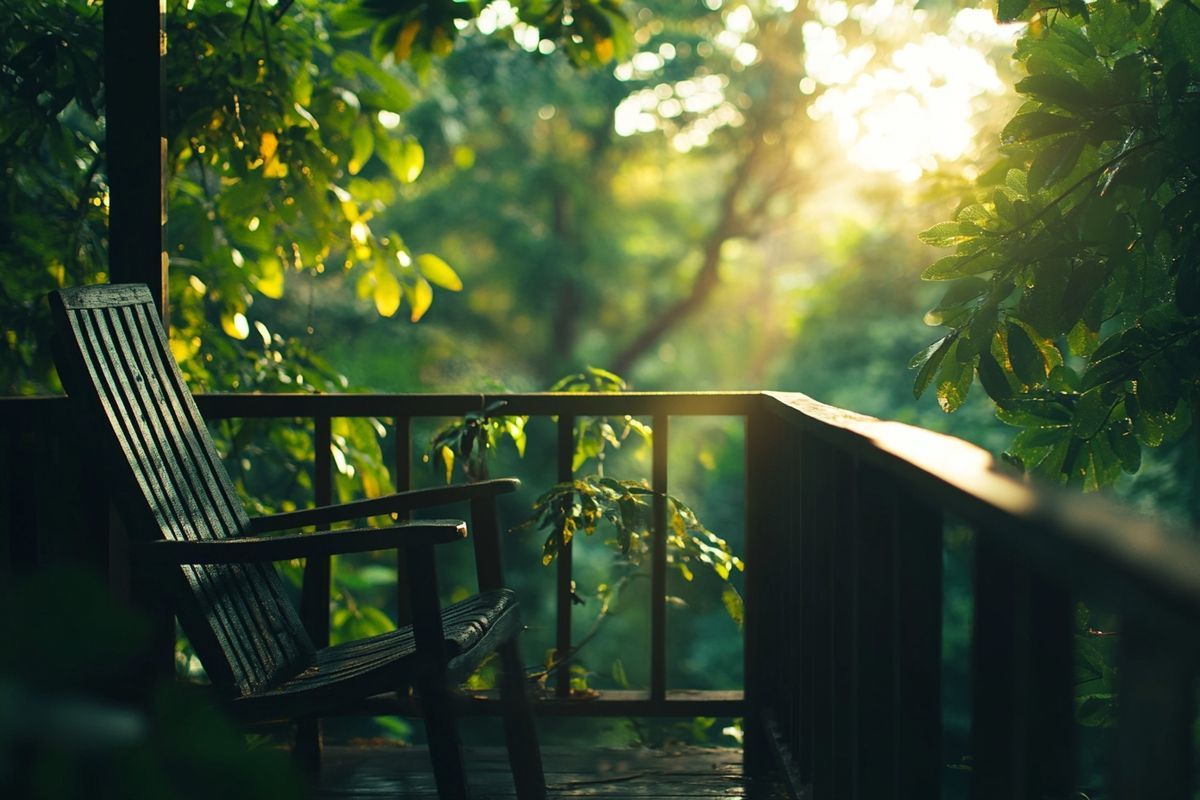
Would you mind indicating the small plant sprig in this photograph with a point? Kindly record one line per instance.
(583, 504)
(469, 440)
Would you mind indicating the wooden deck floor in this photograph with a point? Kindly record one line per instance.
(596, 774)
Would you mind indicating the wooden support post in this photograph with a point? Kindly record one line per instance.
(562, 646)
(658, 566)
(918, 646)
(765, 457)
(403, 481)
(314, 592)
(879, 610)
(818, 527)
(134, 43)
(1156, 712)
(1023, 682)
(844, 576)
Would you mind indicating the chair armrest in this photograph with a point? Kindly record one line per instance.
(246, 549)
(389, 504)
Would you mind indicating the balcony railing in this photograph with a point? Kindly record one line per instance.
(843, 588)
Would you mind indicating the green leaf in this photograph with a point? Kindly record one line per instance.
(421, 298)
(1060, 90)
(1010, 10)
(944, 234)
(992, 378)
(954, 383)
(386, 293)
(1027, 362)
(1091, 413)
(928, 361)
(438, 272)
(1083, 284)
(1126, 446)
(733, 605)
(1055, 162)
(1036, 124)
(363, 142)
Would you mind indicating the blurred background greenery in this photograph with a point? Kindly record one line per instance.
(693, 194)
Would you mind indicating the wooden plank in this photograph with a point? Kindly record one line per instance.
(615, 703)
(571, 772)
(220, 405)
(658, 563)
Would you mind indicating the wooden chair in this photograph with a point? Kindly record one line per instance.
(190, 534)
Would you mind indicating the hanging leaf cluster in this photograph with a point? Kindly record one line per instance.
(585, 504)
(594, 435)
(590, 32)
(472, 438)
(1074, 274)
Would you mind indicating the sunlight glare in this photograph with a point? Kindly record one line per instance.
(906, 115)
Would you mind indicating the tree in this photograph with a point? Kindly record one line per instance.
(286, 137)
(1074, 289)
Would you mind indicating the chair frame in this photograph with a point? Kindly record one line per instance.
(115, 362)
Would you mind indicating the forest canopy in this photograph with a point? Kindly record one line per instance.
(545, 185)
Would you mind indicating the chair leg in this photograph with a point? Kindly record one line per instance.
(445, 747)
(306, 748)
(520, 735)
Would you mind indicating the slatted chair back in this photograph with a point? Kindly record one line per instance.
(114, 361)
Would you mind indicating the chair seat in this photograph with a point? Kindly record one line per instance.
(386, 663)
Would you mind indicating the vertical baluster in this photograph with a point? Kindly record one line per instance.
(818, 521)
(658, 570)
(1022, 676)
(763, 681)
(995, 688)
(314, 591)
(918, 647)
(843, 574)
(402, 450)
(788, 615)
(879, 609)
(1156, 712)
(314, 596)
(23, 522)
(562, 675)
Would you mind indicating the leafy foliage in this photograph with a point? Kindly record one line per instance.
(1074, 289)
(470, 439)
(583, 504)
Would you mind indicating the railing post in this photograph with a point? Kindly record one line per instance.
(878, 632)
(1156, 712)
(844, 621)
(767, 457)
(817, 531)
(1022, 681)
(314, 591)
(918, 644)
(899, 627)
(403, 481)
(658, 567)
(562, 638)
(314, 594)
